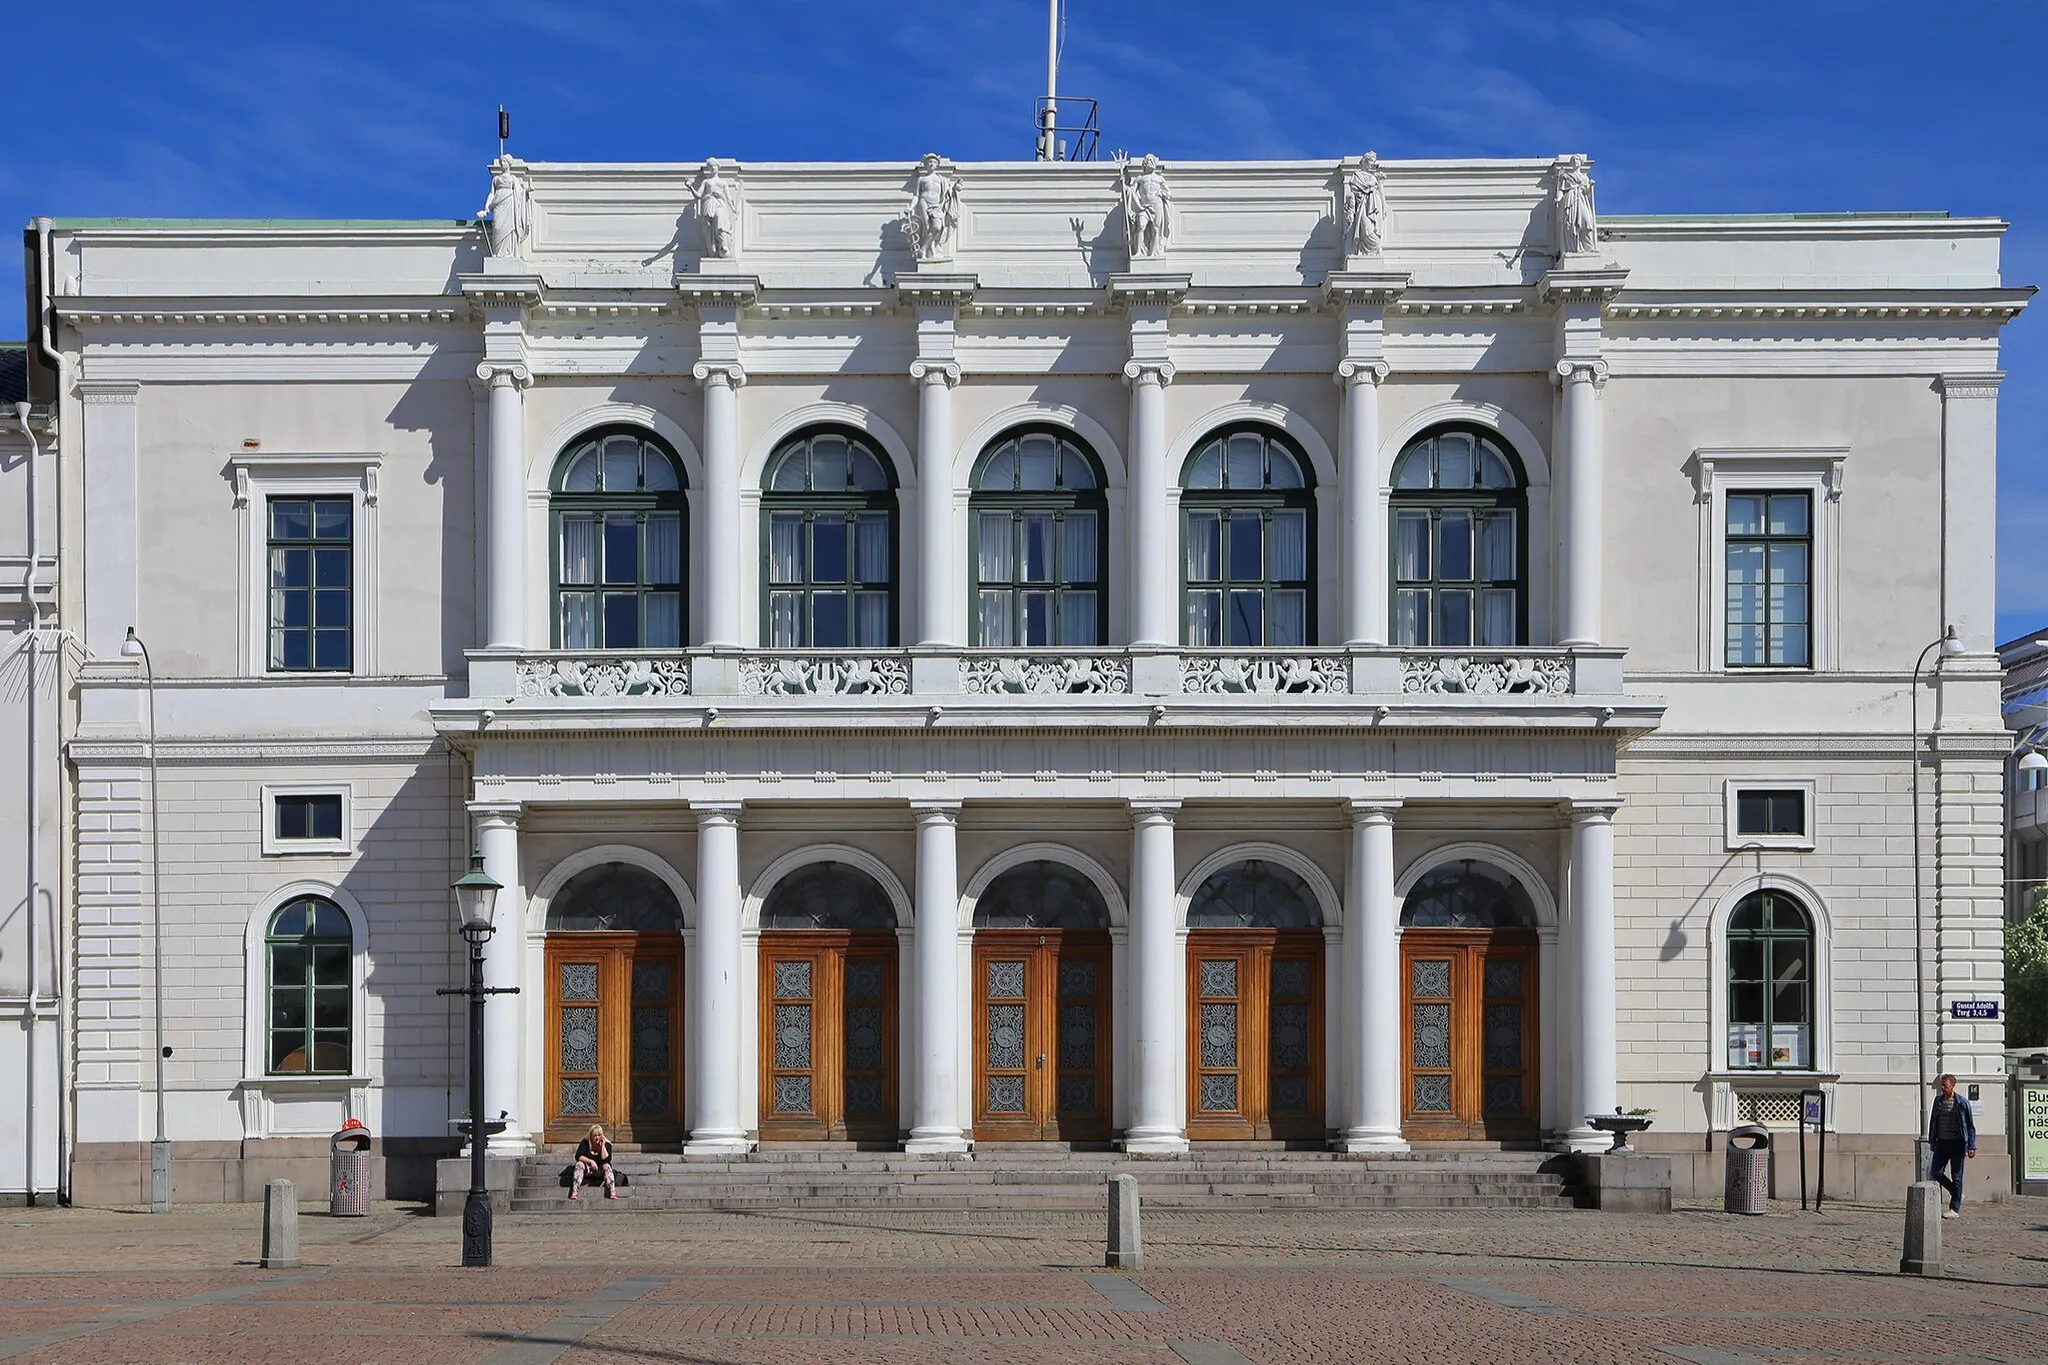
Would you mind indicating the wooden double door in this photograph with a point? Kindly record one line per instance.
(1469, 1034)
(828, 1036)
(1255, 1019)
(615, 1036)
(1041, 1035)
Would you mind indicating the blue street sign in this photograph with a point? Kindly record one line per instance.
(1973, 1009)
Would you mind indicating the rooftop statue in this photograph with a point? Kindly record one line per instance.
(718, 211)
(1365, 208)
(1150, 218)
(1576, 231)
(507, 215)
(933, 214)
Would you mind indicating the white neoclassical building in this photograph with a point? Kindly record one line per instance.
(1357, 652)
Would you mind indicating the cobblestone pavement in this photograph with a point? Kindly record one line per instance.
(621, 1288)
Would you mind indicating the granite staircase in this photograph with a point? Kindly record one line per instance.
(1233, 1176)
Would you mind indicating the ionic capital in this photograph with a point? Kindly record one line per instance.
(1592, 371)
(934, 372)
(499, 372)
(496, 814)
(936, 811)
(714, 374)
(1373, 810)
(1350, 372)
(711, 813)
(1595, 811)
(1159, 372)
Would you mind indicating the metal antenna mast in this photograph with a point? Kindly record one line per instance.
(1083, 127)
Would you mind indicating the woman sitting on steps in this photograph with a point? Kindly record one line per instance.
(593, 1158)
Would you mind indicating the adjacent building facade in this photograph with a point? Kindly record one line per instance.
(1327, 652)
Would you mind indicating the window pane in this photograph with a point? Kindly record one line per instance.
(330, 970)
(1497, 617)
(658, 471)
(330, 568)
(582, 475)
(331, 518)
(1244, 461)
(1454, 460)
(330, 649)
(1788, 604)
(785, 620)
(871, 620)
(1745, 514)
(1205, 610)
(1788, 514)
(1788, 563)
(828, 621)
(790, 470)
(1454, 616)
(621, 464)
(995, 619)
(1247, 548)
(621, 620)
(1746, 1003)
(1288, 623)
(579, 548)
(828, 549)
(1079, 541)
(1247, 617)
(1788, 646)
(579, 620)
(1037, 462)
(323, 817)
(992, 547)
(1037, 619)
(294, 815)
(1497, 547)
(1411, 616)
(1745, 959)
(1412, 469)
(290, 519)
(1789, 981)
(786, 548)
(325, 920)
(1079, 614)
(1290, 546)
(1000, 473)
(1075, 470)
(871, 547)
(330, 1009)
(1036, 534)
(828, 464)
(1205, 530)
(1494, 470)
(621, 548)
(868, 475)
(1282, 470)
(291, 568)
(664, 547)
(664, 620)
(330, 608)
(1411, 546)
(1207, 470)
(1745, 645)
(1454, 546)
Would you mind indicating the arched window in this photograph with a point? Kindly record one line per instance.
(830, 516)
(1040, 538)
(1460, 510)
(1770, 983)
(1254, 895)
(619, 527)
(1469, 893)
(615, 896)
(1248, 526)
(829, 896)
(309, 951)
(1041, 895)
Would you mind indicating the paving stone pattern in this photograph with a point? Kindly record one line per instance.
(1221, 1288)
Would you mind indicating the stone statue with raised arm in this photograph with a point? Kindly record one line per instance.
(933, 214)
(1365, 208)
(718, 211)
(1149, 215)
(1576, 230)
(507, 215)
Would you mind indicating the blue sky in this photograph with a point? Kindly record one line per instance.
(387, 110)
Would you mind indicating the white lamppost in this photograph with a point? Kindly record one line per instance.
(160, 1145)
(1949, 644)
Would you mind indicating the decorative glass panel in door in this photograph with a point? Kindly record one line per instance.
(576, 1032)
(1291, 1099)
(614, 1035)
(828, 1031)
(1428, 1027)
(1081, 1040)
(1217, 1006)
(1470, 1034)
(1505, 1070)
(790, 1099)
(1041, 1035)
(867, 1095)
(1005, 1073)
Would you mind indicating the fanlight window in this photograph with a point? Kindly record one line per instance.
(619, 549)
(1770, 983)
(1460, 513)
(828, 896)
(617, 897)
(1247, 527)
(309, 950)
(1469, 893)
(1040, 539)
(830, 512)
(1254, 895)
(1041, 895)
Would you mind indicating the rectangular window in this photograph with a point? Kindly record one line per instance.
(1768, 565)
(1770, 813)
(307, 819)
(311, 574)
(308, 816)
(1773, 811)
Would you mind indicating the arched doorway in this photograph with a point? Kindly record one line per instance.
(828, 1008)
(1041, 1007)
(614, 965)
(1469, 1027)
(1255, 1006)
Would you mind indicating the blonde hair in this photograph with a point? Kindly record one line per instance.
(597, 1131)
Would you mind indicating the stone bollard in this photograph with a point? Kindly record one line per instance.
(1126, 1245)
(1923, 1230)
(280, 1225)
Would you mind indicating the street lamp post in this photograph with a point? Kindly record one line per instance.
(1949, 644)
(160, 1145)
(476, 900)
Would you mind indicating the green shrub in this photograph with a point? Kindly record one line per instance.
(2026, 976)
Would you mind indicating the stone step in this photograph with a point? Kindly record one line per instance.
(632, 1202)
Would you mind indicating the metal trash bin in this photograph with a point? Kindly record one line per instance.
(1748, 1158)
(348, 1172)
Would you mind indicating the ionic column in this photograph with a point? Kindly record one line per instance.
(1158, 1039)
(1582, 380)
(720, 519)
(1153, 561)
(714, 1071)
(505, 504)
(937, 588)
(497, 838)
(1592, 953)
(1372, 980)
(935, 1129)
(1365, 525)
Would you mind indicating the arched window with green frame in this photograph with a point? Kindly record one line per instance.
(1248, 538)
(1460, 509)
(1770, 983)
(619, 544)
(309, 951)
(828, 544)
(1041, 534)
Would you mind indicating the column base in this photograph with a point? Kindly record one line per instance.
(1582, 1140)
(937, 1142)
(1154, 1144)
(711, 1142)
(1370, 1140)
(514, 1141)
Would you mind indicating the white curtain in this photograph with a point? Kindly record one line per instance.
(871, 619)
(664, 548)
(786, 548)
(579, 549)
(664, 620)
(1411, 548)
(1290, 547)
(992, 548)
(1204, 529)
(1079, 538)
(871, 548)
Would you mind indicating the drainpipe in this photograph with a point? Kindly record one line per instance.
(46, 312)
(35, 789)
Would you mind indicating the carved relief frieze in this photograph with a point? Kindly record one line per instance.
(1264, 676)
(805, 676)
(1547, 675)
(571, 676)
(1043, 675)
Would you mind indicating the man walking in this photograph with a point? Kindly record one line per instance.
(1952, 1133)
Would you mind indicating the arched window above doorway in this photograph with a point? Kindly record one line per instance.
(1254, 895)
(1247, 525)
(309, 949)
(1770, 983)
(829, 509)
(1041, 895)
(1468, 893)
(1460, 521)
(1041, 528)
(619, 543)
(617, 897)
(829, 896)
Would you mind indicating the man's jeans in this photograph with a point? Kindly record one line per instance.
(1949, 1155)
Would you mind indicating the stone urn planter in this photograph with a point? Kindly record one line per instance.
(1622, 1126)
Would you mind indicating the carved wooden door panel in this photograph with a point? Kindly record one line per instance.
(614, 1036)
(1041, 1035)
(828, 1036)
(1255, 1014)
(1469, 1034)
